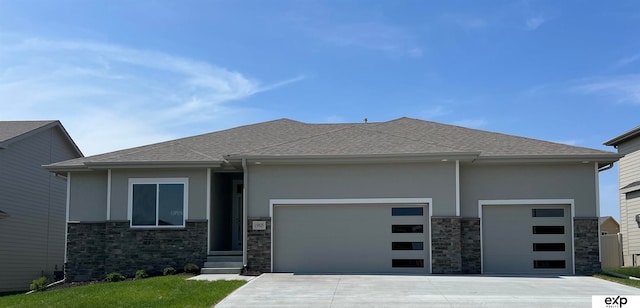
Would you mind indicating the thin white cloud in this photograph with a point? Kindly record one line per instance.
(628, 60)
(569, 141)
(534, 23)
(620, 88)
(111, 97)
(471, 123)
(376, 36)
(466, 22)
(435, 112)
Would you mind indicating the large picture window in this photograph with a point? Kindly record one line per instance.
(158, 202)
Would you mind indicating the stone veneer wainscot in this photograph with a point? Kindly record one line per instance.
(95, 249)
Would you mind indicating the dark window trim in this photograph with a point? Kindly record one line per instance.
(407, 228)
(417, 263)
(547, 212)
(407, 211)
(549, 247)
(407, 246)
(547, 229)
(549, 264)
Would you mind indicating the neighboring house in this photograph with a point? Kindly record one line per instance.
(32, 201)
(609, 225)
(610, 242)
(628, 144)
(403, 196)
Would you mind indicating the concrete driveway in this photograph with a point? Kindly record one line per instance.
(290, 290)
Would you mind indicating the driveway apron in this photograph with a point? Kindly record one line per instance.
(294, 290)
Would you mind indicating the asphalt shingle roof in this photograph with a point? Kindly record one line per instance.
(285, 137)
(13, 129)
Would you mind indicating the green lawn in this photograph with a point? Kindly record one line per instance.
(167, 291)
(629, 271)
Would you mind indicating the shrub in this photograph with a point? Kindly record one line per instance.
(192, 269)
(39, 284)
(114, 277)
(168, 271)
(141, 274)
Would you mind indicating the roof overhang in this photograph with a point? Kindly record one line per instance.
(90, 166)
(635, 186)
(601, 159)
(624, 137)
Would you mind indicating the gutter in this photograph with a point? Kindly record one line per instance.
(605, 167)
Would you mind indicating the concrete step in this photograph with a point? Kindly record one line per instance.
(218, 264)
(207, 270)
(224, 259)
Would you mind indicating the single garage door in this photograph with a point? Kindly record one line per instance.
(351, 238)
(527, 239)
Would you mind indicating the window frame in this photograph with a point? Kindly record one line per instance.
(157, 182)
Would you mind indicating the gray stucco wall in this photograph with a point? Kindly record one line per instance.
(426, 180)
(88, 196)
(535, 181)
(197, 189)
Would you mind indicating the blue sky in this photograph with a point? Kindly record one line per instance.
(120, 74)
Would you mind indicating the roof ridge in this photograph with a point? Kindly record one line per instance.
(412, 139)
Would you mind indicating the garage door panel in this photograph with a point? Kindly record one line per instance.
(344, 238)
(517, 239)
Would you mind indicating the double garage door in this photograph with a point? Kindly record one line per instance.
(527, 239)
(351, 238)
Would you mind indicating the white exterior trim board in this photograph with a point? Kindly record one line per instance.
(208, 210)
(108, 194)
(457, 188)
(66, 224)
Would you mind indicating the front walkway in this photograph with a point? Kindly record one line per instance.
(289, 290)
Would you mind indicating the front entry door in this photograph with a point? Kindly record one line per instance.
(236, 216)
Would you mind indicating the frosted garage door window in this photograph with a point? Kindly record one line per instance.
(158, 205)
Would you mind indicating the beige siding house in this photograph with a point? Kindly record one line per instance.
(628, 144)
(402, 196)
(32, 201)
(608, 225)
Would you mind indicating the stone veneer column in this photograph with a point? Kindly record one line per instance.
(259, 246)
(445, 245)
(587, 245)
(470, 242)
(85, 251)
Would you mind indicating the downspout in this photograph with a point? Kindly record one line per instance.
(66, 234)
(245, 184)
